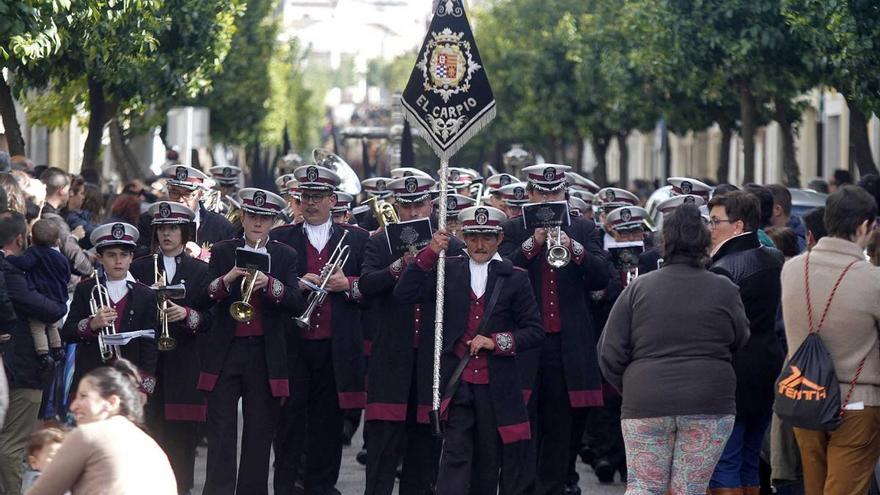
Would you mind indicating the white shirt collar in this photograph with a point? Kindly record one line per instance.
(117, 289)
(261, 249)
(480, 274)
(318, 235)
(170, 263)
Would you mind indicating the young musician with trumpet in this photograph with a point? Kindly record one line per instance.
(563, 376)
(246, 354)
(328, 366)
(121, 305)
(177, 407)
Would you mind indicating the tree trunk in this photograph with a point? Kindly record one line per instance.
(747, 118)
(100, 112)
(10, 121)
(129, 168)
(578, 166)
(724, 159)
(858, 138)
(600, 147)
(789, 160)
(623, 149)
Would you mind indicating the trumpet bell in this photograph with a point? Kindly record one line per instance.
(241, 311)
(166, 343)
(349, 179)
(558, 256)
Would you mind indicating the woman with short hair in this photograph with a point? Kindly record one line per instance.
(667, 347)
(108, 453)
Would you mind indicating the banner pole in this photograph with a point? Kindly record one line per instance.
(441, 281)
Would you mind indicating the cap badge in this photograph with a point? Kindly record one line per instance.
(504, 180)
(227, 172)
(259, 199)
(408, 173)
(610, 196)
(181, 174)
(451, 203)
(481, 216)
(312, 174)
(689, 200)
(454, 175)
(411, 184)
(625, 215)
(117, 231)
(380, 185)
(686, 187)
(164, 210)
(519, 193)
(549, 174)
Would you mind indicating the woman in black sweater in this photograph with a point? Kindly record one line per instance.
(667, 347)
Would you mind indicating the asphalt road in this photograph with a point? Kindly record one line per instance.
(351, 477)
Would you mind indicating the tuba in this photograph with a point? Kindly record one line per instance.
(383, 211)
(165, 342)
(100, 299)
(349, 179)
(557, 255)
(337, 260)
(243, 311)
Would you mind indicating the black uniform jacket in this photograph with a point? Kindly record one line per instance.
(515, 313)
(140, 314)
(178, 369)
(213, 228)
(391, 362)
(756, 270)
(280, 303)
(347, 340)
(19, 356)
(575, 281)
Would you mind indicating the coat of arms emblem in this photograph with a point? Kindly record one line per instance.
(549, 174)
(259, 199)
(411, 185)
(686, 187)
(380, 185)
(409, 235)
(610, 196)
(312, 174)
(481, 216)
(118, 231)
(164, 210)
(519, 193)
(181, 174)
(504, 180)
(227, 172)
(625, 215)
(448, 64)
(451, 203)
(689, 200)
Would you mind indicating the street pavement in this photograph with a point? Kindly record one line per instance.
(351, 477)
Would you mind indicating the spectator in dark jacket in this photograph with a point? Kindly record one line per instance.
(47, 272)
(782, 216)
(738, 254)
(668, 347)
(84, 209)
(20, 358)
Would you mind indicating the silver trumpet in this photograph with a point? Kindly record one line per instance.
(557, 254)
(99, 300)
(337, 260)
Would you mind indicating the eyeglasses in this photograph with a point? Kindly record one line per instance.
(713, 223)
(313, 198)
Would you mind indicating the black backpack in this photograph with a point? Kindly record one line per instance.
(807, 390)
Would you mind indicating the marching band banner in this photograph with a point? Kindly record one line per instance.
(448, 97)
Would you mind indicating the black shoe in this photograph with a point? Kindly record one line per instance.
(361, 457)
(58, 354)
(587, 455)
(605, 472)
(572, 489)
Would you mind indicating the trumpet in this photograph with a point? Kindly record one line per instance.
(337, 260)
(242, 310)
(631, 274)
(99, 300)
(557, 254)
(383, 211)
(165, 342)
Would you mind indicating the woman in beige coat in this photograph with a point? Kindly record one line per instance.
(108, 453)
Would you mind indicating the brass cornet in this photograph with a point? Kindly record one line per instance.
(383, 211)
(99, 300)
(165, 342)
(557, 254)
(242, 310)
(337, 260)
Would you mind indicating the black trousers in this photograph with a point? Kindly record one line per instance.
(551, 419)
(389, 440)
(243, 376)
(578, 426)
(310, 432)
(474, 460)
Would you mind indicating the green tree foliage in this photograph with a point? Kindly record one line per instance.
(27, 34)
(844, 37)
(293, 104)
(131, 55)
